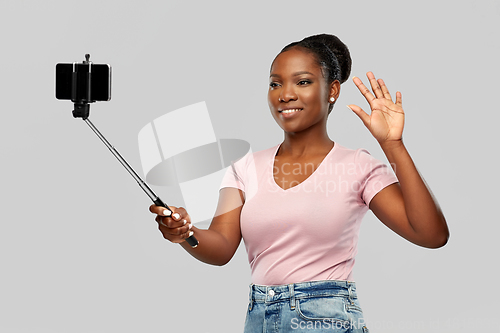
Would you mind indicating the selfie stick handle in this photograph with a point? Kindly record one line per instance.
(156, 200)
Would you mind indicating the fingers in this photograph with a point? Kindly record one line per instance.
(399, 98)
(363, 89)
(170, 222)
(176, 225)
(378, 86)
(375, 85)
(170, 230)
(384, 89)
(159, 210)
(365, 118)
(177, 218)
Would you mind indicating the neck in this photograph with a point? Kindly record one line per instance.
(306, 143)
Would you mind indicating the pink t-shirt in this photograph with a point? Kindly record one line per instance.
(308, 232)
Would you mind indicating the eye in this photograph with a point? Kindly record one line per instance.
(304, 82)
(273, 85)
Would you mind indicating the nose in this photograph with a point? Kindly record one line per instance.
(288, 93)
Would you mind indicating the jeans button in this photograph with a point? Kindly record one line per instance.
(271, 293)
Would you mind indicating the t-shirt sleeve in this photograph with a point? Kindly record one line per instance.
(233, 178)
(239, 173)
(374, 175)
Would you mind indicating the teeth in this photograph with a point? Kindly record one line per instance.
(290, 110)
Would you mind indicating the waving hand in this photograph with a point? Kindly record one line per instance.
(386, 120)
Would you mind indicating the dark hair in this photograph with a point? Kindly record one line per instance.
(332, 55)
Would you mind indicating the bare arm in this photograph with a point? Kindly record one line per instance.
(218, 244)
(409, 207)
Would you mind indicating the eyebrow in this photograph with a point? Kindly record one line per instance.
(294, 74)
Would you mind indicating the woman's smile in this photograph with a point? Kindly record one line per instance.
(289, 113)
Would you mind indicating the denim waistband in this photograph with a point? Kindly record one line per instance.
(293, 291)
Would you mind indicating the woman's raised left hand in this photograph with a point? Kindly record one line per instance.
(386, 120)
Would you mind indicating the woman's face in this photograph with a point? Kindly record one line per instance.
(298, 93)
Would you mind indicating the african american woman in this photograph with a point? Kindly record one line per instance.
(298, 205)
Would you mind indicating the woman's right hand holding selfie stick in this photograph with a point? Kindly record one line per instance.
(174, 225)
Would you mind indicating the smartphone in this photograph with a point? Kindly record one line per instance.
(83, 82)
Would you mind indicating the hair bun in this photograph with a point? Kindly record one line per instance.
(339, 49)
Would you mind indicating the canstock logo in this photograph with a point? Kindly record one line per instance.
(181, 149)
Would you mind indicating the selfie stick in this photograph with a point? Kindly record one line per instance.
(82, 110)
(156, 200)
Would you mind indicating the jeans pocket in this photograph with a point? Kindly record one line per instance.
(327, 309)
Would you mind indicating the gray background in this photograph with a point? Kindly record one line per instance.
(79, 251)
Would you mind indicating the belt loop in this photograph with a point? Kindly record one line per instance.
(250, 298)
(292, 296)
(351, 294)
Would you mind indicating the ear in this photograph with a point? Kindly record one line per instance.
(334, 90)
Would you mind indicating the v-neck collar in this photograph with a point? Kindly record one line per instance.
(271, 172)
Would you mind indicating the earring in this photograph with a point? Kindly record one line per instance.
(332, 99)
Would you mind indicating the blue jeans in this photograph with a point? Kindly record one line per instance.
(317, 306)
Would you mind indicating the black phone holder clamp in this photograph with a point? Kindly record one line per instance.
(81, 103)
(81, 110)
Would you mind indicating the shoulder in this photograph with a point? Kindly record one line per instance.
(266, 153)
(256, 158)
(345, 154)
(358, 161)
